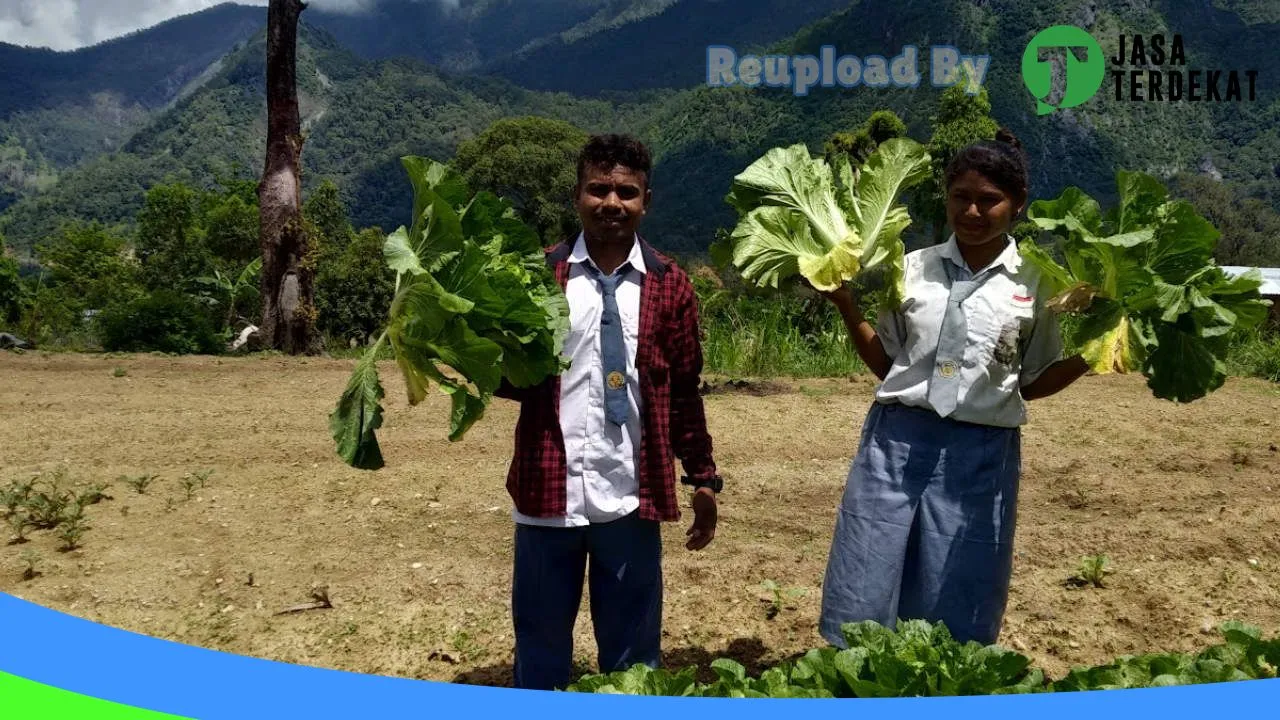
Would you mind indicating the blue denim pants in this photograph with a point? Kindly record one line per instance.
(925, 527)
(622, 563)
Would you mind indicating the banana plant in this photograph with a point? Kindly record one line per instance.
(229, 290)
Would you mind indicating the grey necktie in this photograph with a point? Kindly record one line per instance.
(613, 349)
(944, 386)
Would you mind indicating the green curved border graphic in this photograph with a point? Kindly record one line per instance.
(22, 699)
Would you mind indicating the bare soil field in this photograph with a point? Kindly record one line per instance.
(416, 558)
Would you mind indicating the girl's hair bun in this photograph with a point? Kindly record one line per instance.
(1003, 161)
(1003, 135)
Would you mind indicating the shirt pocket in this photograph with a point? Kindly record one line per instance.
(630, 323)
(922, 320)
(998, 328)
(583, 326)
(630, 332)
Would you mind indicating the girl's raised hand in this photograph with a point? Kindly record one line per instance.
(842, 296)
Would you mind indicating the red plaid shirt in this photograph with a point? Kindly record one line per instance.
(669, 362)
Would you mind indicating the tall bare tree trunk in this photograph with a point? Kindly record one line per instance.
(288, 307)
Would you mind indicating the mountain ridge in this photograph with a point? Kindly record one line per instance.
(373, 111)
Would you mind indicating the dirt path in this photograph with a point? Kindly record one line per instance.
(417, 557)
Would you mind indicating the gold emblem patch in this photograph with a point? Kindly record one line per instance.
(948, 369)
(616, 381)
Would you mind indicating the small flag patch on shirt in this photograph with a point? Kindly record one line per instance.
(1023, 298)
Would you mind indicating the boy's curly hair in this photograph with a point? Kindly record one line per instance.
(609, 151)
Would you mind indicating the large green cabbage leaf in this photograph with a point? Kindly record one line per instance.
(798, 215)
(475, 303)
(1143, 278)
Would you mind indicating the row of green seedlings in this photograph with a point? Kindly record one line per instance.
(38, 504)
(189, 482)
(50, 504)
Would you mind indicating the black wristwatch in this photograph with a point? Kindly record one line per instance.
(715, 483)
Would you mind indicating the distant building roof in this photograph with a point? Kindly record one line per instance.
(1270, 277)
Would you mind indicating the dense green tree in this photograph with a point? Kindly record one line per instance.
(1249, 227)
(185, 234)
(89, 266)
(354, 288)
(961, 119)
(330, 227)
(859, 144)
(161, 320)
(532, 162)
(171, 241)
(353, 284)
(10, 286)
(229, 217)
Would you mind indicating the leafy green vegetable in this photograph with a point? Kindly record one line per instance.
(916, 659)
(1244, 656)
(359, 414)
(639, 680)
(923, 659)
(799, 215)
(474, 304)
(773, 683)
(1144, 279)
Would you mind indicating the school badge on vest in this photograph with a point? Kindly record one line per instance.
(616, 381)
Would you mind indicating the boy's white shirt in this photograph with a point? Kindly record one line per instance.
(600, 457)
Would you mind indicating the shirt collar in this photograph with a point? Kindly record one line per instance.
(580, 254)
(1010, 258)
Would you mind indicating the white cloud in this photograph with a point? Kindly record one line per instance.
(341, 6)
(69, 24)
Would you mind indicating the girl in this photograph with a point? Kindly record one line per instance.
(925, 528)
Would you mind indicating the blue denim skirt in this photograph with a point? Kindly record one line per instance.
(925, 527)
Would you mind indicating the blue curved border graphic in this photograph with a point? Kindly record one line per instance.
(90, 659)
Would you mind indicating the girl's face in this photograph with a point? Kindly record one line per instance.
(979, 211)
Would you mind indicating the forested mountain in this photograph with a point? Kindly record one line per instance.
(58, 109)
(662, 49)
(362, 114)
(360, 117)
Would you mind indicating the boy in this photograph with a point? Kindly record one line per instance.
(592, 475)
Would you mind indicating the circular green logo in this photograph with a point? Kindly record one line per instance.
(1083, 77)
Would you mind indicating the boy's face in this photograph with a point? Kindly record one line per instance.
(611, 202)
